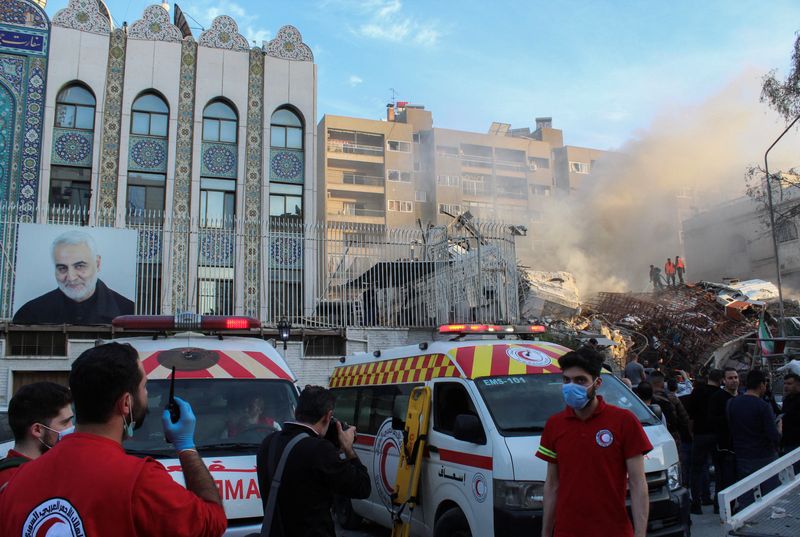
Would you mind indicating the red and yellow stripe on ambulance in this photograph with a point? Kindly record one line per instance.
(476, 361)
(398, 371)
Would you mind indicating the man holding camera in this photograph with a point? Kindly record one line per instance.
(315, 470)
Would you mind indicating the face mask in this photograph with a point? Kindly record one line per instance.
(575, 395)
(131, 426)
(59, 435)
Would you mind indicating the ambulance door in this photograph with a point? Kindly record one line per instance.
(460, 464)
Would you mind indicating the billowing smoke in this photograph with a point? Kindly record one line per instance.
(628, 214)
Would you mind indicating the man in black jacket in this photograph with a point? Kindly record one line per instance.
(315, 469)
(724, 458)
(704, 439)
(791, 413)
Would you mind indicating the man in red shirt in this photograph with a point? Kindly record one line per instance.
(38, 414)
(592, 450)
(88, 485)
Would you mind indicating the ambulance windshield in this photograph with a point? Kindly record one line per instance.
(521, 404)
(232, 415)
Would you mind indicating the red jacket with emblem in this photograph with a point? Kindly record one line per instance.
(89, 484)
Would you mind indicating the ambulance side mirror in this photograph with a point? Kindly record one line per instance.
(468, 428)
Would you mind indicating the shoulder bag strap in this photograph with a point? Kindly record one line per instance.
(272, 497)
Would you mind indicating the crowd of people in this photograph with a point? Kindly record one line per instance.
(727, 419)
(79, 477)
(718, 419)
(673, 273)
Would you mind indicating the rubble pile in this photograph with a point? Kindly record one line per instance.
(683, 326)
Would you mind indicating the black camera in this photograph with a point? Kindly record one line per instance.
(332, 435)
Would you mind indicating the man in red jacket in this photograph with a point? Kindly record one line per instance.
(88, 485)
(39, 414)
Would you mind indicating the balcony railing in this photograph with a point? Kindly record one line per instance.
(349, 210)
(367, 180)
(354, 149)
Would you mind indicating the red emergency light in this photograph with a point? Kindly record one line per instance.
(491, 329)
(185, 321)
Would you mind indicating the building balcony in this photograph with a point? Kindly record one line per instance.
(352, 151)
(352, 182)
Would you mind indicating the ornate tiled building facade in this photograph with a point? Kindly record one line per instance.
(180, 161)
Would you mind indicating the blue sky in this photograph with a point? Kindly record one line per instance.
(602, 69)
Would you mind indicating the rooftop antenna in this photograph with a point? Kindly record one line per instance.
(394, 96)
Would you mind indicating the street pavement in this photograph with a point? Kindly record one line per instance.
(707, 525)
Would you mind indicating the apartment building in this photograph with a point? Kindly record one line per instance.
(369, 170)
(401, 169)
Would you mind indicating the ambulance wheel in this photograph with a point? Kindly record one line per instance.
(344, 513)
(452, 523)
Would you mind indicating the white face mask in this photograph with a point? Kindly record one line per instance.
(59, 434)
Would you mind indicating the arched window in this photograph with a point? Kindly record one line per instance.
(150, 115)
(286, 165)
(75, 108)
(73, 144)
(147, 158)
(286, 178)
(220, 123)
(287, 130)
(218, 172)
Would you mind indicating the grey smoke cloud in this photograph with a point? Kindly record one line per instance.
(628, 214)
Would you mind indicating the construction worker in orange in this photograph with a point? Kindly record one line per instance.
(680, 268)
(669, 271)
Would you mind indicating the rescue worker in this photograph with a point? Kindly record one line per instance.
(669, 271)
(655, 277)
(680, 268)
(88, 485)
(595, 454)
(315, 470)
(39, 414)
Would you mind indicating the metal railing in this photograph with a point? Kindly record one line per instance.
(779, 476)
(334, 274)
(350, 210)
(354, 149)
(356, 179)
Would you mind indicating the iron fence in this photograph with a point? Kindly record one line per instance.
(332, 275)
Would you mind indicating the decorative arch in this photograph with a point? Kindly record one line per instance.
(21, 13)
(288, 45)
(155, 26)
(83, 15)
(224, 34)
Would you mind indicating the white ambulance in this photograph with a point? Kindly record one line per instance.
(240, 389)
(492, 395)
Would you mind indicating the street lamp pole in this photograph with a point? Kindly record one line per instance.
(772, 226)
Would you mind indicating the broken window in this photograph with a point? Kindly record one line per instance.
(786, 231)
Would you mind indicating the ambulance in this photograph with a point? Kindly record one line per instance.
(493, 389)
(240, 389)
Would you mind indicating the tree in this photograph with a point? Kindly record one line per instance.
(784, 98)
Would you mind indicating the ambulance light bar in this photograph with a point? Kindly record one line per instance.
(491, 329)
(185, 321)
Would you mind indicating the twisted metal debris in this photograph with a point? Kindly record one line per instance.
(684, 325)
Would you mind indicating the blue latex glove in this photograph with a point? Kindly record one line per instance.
(180, 434)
